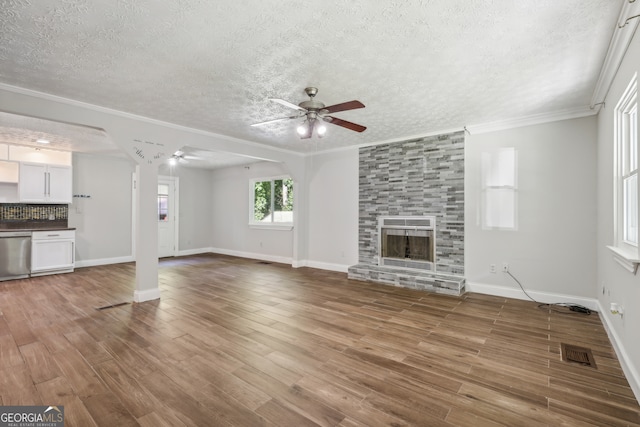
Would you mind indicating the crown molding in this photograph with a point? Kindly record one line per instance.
(622, 35)
(118, 113)
(535, 119)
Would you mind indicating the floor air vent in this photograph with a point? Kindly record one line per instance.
(575, 354)
(263, 262)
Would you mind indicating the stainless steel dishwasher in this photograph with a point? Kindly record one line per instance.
(15, 254)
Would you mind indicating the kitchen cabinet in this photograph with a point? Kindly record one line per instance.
(52, 252)
(8, 181)
(43, 183)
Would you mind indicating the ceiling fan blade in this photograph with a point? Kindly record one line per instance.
(274, 121)
(287, 104)
(351, 105)
(345, 124)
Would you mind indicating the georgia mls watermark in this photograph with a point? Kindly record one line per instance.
(31, 416)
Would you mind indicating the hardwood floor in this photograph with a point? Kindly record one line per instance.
(234, 342)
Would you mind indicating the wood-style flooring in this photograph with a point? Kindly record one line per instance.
(236, 342)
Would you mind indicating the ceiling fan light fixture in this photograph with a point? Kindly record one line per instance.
(313, 112)
(173, 161)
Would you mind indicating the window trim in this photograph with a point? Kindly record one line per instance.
(258, 225)
(166, 197)
(625, 253)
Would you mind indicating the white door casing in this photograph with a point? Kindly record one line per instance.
(166, 217)
(167, 229)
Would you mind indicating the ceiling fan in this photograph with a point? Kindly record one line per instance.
(180, 157)
(315, 113)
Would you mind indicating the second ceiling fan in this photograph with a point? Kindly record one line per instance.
(315, 113)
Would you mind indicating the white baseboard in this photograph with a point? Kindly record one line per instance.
(630, 370)
(197, 251)
(146, 295)
(628, 367)
(252, 255)
(543, 297)
(298, 263)
(103, 261)
(340, 268)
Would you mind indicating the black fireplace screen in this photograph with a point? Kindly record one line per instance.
(407, 244)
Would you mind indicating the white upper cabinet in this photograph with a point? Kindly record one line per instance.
(9, 181)
(60, 184)
(42, 183)
(9, 172)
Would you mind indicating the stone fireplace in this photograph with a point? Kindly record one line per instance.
(408, 181)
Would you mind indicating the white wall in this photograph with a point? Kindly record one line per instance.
(619, 285)
(231, 233)
(332, 234)
(552, 251)
(195, 202)
(103, 221)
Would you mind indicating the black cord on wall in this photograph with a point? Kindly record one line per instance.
(575, 308)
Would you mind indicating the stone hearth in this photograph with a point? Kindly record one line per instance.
(409, 278)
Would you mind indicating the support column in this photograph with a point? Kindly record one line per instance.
(299, 172)
(146, 234)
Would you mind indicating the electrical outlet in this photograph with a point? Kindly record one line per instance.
(492, 268)
(505, 267)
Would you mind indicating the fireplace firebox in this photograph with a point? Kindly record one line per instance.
(407, 242)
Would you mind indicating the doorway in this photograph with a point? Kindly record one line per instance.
(167, 216)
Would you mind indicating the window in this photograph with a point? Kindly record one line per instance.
(626, 170)
(626, 137)
(163, 202)
(272, 201)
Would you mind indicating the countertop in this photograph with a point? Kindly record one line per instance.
(35, 225)
(2, 229)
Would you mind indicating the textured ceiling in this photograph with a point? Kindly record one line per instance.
(22, 130)
(418, 66)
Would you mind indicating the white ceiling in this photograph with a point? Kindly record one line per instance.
(419, 66)
(23, 130)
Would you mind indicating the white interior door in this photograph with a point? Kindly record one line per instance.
(167, 216)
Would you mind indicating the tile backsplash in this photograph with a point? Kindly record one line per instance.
(14, 215)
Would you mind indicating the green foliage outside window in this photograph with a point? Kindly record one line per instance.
(273, 200)
(262, 200)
